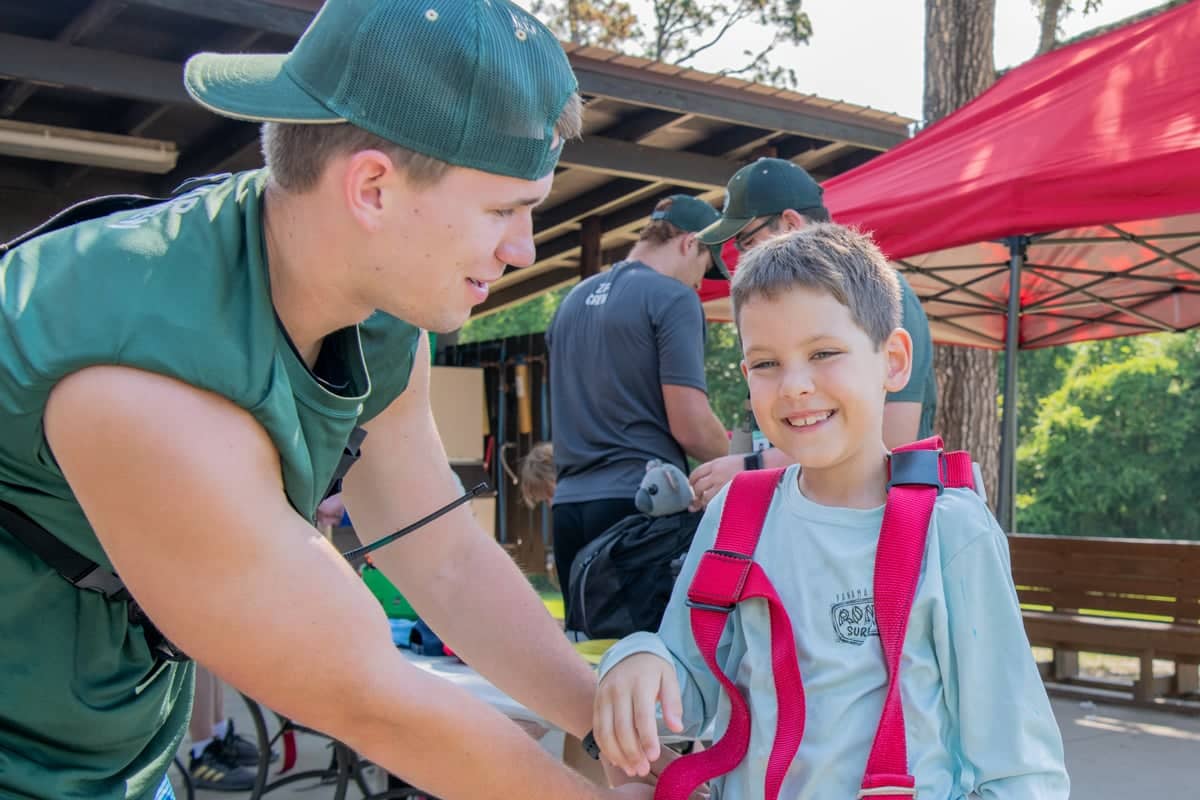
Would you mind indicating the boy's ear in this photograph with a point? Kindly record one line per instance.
(897, 351)
(745, 369)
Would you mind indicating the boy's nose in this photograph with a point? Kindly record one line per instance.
(797, 382)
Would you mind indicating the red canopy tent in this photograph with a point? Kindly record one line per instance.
(1075, 177)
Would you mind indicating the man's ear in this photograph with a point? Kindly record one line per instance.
(792, 220)
(897, 350)
(365, 176)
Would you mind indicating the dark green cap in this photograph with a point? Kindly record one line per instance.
(475, 83)
(693, 215)
(768, 186)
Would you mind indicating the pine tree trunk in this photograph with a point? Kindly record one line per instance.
(959, 65)
(1049, 13)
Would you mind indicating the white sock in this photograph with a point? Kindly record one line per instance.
(198, 747)
(220, 729)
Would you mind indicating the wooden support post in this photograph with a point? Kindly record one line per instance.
(1066, 664)
(589, 247)
(1187, 678)
(1143, 687)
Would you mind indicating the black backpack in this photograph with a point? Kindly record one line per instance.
(621, 581)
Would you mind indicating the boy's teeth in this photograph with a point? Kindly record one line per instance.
(802, 422)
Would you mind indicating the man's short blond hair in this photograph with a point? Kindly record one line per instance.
(827, 257)
(296, 153)
(538, 475)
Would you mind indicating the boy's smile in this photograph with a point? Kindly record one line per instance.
(817, 387)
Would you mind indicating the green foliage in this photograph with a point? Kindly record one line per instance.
(1115, 450)
(531, 316)
(605, 23)
(726, 387)
(680, 30)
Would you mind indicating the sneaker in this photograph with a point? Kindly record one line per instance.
(237, 749)
(213, 771)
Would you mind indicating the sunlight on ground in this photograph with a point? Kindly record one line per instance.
(1114, 725)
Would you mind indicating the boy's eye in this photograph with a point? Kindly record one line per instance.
(763, 364)
(821, 355)
(504, 212)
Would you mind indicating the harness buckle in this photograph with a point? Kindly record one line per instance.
(884, 791)
(916, 468)
(720, 576)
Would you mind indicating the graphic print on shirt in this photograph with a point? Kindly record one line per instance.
(600, 296)
(853, 616)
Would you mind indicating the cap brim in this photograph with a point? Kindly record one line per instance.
(253, 87)
(723, 230)
(718, 271)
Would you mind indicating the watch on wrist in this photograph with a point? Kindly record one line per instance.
(590, 747)
(753, 460)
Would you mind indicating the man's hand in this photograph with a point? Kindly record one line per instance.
(625, 723)
(708, 478)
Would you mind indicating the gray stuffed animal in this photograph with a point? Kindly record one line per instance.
(664, 490)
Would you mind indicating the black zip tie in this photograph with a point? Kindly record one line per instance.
(354, 555)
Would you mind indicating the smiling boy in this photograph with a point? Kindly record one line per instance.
(818, 313)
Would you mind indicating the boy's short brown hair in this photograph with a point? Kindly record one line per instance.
(296, 153)
(538, 476)
(827, 257)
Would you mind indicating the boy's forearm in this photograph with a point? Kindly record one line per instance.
(486, 610)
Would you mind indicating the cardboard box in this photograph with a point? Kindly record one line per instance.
(456, 394)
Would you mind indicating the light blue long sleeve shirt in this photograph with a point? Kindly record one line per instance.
(976, 714)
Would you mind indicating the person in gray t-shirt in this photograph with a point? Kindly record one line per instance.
(627, 376)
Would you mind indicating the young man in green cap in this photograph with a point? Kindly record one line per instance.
(179, 382)
(772, 196)
(627, 377)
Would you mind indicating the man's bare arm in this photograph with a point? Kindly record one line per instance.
(184, 491)
(693, 423)
(455, 575)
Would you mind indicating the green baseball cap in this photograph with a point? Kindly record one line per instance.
(693, 215)
(767, 186)
(475, 83)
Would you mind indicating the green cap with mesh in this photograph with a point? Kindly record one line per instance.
(475, 83)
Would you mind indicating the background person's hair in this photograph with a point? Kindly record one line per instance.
(830, 258)
(296, 153)
(537, 476)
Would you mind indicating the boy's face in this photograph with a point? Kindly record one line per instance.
(817, 382)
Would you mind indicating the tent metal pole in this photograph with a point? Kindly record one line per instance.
(1006, 502)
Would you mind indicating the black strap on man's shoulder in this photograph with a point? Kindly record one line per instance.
(81, 571)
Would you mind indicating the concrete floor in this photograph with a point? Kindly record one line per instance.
(1114, 752)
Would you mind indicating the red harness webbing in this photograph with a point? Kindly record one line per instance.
(727, 574)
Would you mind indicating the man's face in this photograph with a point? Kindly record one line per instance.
(763, 229)
(445, 244)
(698, 260)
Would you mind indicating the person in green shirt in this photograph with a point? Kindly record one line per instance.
(178, 383)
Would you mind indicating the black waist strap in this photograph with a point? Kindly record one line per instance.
(79, 570)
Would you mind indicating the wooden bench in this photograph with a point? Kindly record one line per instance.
(1136, 597)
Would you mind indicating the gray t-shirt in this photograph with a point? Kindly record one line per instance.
(616, 339)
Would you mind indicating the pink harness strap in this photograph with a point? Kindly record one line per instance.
(728, 574)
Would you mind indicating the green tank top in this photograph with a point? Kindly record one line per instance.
(179, 288)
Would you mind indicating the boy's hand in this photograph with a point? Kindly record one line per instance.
(708, 478)
(625, 722)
